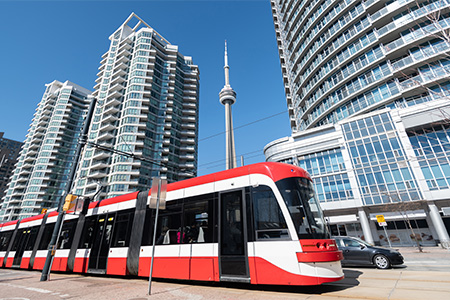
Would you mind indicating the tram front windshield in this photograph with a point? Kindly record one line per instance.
(299, 196)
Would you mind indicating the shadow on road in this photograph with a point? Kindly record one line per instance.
(15, 278)
(350, 280)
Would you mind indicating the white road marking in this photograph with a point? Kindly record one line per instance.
(32, 289)
(188, 296)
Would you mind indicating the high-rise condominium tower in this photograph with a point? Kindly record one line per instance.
(345, 58)
(367, 87)
(9, 151)
(41, 172)
(147, 105)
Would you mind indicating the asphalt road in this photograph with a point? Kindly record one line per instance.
(424, 276)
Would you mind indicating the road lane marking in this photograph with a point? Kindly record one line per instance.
(39, 290)
(178, 293)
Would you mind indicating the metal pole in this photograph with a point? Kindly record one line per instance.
(46, 270)
(56, 244)
(154, 239)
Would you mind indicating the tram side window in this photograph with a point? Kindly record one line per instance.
(198, 225)
(21, 233)
(5, 238)
(122, 229)
(268, 217)
(147, 232)
(169, 229)
(46, 236)
(66, 237)
(87, 237)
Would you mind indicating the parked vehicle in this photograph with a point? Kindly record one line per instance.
(359, 252)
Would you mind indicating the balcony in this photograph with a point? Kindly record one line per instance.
(187, 149)
(117, 87)
(100, 155)
(114, 94)
(190, 112)
(189, 119)
(105, 136)
(122, 59)
(189, 133)
(100, 164)
(124, 52)
(109, 110)
(190, 106)
(97, 173)
(187, 157)
(120, 71)
(107, 127)
(187, 141)
(118, 79)
(110, 118)
(100, 73)
(189, 126)
(125, 44)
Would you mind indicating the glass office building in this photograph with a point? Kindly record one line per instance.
(367, 91)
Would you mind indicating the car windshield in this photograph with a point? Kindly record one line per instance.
(362, 242)
(303, 207)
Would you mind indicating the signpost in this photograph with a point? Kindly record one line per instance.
(382, 223)
(157, 200)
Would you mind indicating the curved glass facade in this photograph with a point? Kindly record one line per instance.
(345, 57)
(367, 86)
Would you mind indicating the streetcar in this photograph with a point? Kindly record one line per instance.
(257, 224)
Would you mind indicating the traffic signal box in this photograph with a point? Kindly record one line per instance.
(70, 202)
(77, 204)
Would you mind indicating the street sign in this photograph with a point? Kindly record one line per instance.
(159, 187)
(82, 205)
(381, 221)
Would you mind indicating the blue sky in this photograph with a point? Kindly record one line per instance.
(46, 40)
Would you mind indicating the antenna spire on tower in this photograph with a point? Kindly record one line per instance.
(226, 67)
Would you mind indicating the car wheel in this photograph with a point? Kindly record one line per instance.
(381, 261)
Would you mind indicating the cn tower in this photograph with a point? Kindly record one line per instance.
(227, 97)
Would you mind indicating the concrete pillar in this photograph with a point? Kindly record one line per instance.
(373, 229)
(438, 224)
(365, 226)
(431, 226)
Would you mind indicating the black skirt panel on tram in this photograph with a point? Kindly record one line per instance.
(233, 261)
(38, 239)
(136, 233)
(76, 242)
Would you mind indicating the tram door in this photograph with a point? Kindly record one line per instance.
(103, 230)
(233, 260)
(25, 241)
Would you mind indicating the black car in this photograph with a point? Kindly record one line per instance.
(359, 252)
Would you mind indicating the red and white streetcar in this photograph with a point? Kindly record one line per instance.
(259, 224)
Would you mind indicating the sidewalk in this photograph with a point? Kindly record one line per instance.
(413, 253)
(434, 259)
